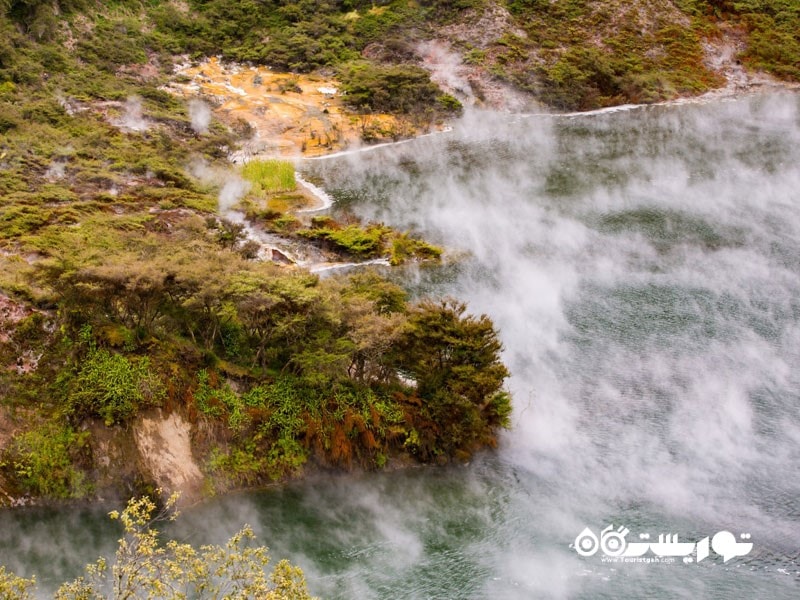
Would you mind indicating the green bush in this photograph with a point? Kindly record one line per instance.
(774, 39)
(219, 401)
(43, 461)
(403, 247)
(113, 43)
(392, 88)
(242, 464)
(450, 104)
(113, 387)
(364, 242)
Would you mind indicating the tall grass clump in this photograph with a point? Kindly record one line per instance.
(270, 176)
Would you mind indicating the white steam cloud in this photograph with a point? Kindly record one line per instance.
(132, 118)
(200, 115)
(56, 170)
(447, 69)
(232, 191)
(642, 268)
(232, 188)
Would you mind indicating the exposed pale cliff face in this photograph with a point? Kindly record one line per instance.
(165, 450)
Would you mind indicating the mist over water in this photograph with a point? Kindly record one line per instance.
(643, 268)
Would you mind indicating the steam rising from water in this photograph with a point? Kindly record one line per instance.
(643, 268)
(643, 271)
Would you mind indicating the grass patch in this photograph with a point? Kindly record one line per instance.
(271, 176)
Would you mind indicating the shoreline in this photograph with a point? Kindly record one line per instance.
(719, 94)
(727, 93)
(312, 472)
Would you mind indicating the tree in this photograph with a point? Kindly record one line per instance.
(454, 359)
(444, 349)
(13, 587)
(147, 568)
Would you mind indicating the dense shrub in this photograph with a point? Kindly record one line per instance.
(113, 387)
(43, 461)
(393, 88)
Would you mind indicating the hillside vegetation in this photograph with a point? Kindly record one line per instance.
(567, 53)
